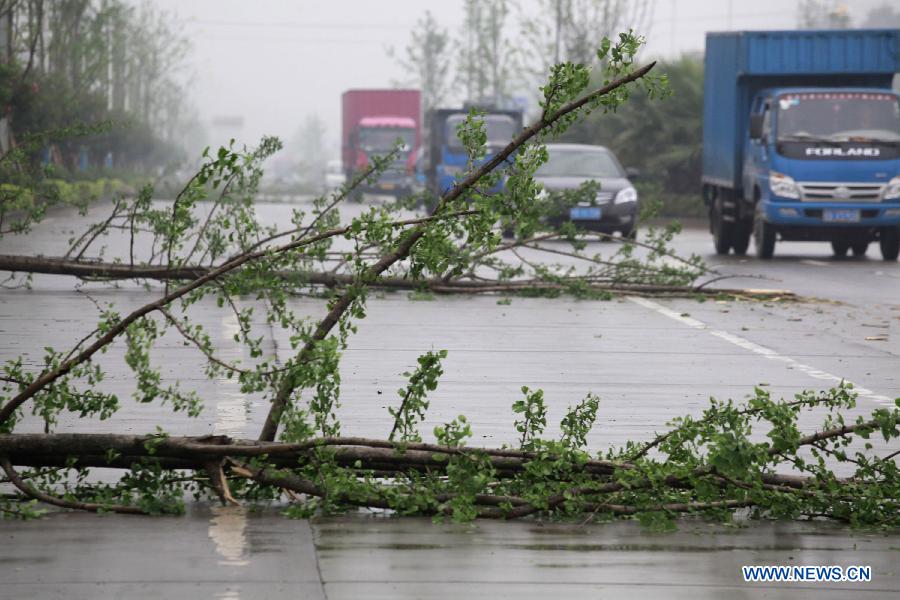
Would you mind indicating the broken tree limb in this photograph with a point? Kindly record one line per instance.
(48, 377)
(107, 450)
(120, 271)
(36, 494)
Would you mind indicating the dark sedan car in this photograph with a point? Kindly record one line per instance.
(569, 166)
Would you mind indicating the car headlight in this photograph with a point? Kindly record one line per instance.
(782, 185)
(892, 190)
(626, 196)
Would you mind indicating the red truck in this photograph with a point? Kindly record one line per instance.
(373, 121)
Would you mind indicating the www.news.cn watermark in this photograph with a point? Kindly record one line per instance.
(808, 573)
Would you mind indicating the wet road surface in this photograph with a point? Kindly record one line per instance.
(648, 360)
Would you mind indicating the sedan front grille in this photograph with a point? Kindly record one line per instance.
(841, 192)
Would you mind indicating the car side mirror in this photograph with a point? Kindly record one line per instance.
(632, 173)
(756, 126)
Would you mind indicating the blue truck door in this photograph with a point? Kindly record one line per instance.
(761, 154)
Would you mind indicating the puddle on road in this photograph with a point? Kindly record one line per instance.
(233, 407)
(227, 530)
(231, 414)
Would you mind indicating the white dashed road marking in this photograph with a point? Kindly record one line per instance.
(816, 263)
(761, 350)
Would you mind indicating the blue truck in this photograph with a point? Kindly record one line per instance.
(446, 158)
(801, 139)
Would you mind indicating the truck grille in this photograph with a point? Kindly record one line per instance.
(841, 192)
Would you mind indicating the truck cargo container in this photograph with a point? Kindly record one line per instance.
(373, 121)
(801, 139)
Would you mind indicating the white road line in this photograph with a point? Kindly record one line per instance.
(815, 263)
(761, 350)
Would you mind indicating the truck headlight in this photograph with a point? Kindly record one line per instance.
(626, 196)
(782, 185)
(892, 190)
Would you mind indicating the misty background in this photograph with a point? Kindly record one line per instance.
(126, 90)
(276, 62)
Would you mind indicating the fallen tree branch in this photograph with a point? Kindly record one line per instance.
(120, 271)
(35, 493)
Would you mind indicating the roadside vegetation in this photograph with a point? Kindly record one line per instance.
(207, 246)
(91, 102)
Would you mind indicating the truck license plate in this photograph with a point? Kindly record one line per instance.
(840, 215)
(585, 213)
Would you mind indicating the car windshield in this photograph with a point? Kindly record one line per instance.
(383, 139)
(499, 128)
(580, 163)
(838, 117)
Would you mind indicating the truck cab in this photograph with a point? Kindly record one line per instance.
(447, 158)
(822, 165)
(373, 121)
(379, 136)
(801, 139)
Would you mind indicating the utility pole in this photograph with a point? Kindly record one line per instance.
(6, 55)
(672, 29)
(6, 21)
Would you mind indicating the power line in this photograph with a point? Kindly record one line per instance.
(284, 40)
(293, 24)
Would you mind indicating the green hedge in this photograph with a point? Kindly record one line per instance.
(53, 191)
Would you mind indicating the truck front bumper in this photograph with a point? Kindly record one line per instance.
(829, 220)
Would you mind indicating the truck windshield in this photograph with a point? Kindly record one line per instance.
(580, 163)
(838, 117)
(499, 128)
(383, 139)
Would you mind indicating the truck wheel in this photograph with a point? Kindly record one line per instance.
(764, 236)
(741, 240)
(889, 239)
(859, 248)
(722, 230)
(840, 247)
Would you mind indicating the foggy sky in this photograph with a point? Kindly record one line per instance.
(276, 61)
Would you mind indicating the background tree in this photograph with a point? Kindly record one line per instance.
(882, 16)
(569, 30)
(662, 139)
(823, 14)
(487, 59)
(427, 61)
(307, 145)
(85, 61)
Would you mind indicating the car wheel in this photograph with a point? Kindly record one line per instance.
(859, 248)
(840, 247)
(764, 237)
(889, 239)
(630, 233)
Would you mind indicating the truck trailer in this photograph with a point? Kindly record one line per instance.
(373, 122)
(801, 139)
